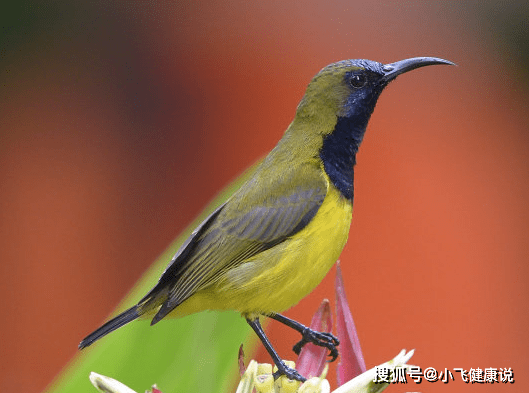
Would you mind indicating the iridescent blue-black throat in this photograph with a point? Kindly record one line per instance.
(339, 149)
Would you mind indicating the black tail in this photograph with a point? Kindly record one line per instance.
(122, 319)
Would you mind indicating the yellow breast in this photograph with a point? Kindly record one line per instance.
(281, 276)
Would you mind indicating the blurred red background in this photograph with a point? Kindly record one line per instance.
(120, 121)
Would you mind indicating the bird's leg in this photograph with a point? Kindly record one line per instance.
(321, 339)
(282, 368)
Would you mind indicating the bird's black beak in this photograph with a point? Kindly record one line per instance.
(392, 70)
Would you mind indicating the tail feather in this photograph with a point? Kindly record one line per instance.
(122, 319)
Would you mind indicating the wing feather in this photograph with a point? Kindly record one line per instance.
(244, 226)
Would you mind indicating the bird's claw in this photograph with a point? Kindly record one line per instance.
(321, 339)
(290, 373)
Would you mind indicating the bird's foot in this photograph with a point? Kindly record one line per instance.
(321, 339)
(290, 373)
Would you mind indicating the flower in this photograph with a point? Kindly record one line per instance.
(110, 385)
(364, 383)
(312, 358)
(258, 378)
(351, 358)
(352, 375)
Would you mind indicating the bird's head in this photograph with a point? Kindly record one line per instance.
(350, 89)
(336, 108)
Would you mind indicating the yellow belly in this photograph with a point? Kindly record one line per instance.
(280, 277)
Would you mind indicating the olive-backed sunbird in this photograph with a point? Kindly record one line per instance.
(278, 235)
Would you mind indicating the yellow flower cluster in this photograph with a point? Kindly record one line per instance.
(259, 377)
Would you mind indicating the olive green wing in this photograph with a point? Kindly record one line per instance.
(250, 222)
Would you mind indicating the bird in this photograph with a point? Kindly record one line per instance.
(274, 240)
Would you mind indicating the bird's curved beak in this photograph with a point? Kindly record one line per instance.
(392, 70)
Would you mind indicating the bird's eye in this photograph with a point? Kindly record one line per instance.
(358, 81)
